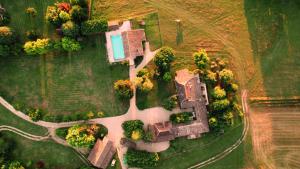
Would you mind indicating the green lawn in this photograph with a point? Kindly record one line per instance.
(8, 118)
(60, 83)
(52, 154)
(185, 153)
(274, 29)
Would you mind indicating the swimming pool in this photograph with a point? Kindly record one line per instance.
(117, 45)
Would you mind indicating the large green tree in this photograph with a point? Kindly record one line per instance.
(163, 59)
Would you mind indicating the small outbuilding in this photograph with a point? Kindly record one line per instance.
(102, 153)
(162, 131)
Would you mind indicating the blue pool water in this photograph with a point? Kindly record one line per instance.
(117, 45)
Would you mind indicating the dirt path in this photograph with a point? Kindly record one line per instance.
(23, 134)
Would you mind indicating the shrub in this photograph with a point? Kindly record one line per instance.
(124, 89)
(211, 77)
(170, 103)
(52, 15)
(78, 136)
(141, 159)
(163, 60)
(38, 47)
(213, 122)
(226, 76)
(69, 44)
(7, 35)
(132, 125)
(78, 14)
(137, 134)
(5, 18)
(167, 77)
(32, 35)
(144, 84)
(148, 136)
(31, 11)
(232, 87)
(64, 16)
(70, 29)
(220, 105)
(15, 165)
(143, 73)
(228, 117)
(94, 26)
(219, 93)
(61, 132)
(35, 114)
(183, 117)
(201, 59)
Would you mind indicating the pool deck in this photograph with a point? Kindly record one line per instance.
(126, 26)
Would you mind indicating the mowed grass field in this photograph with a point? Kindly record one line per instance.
(276, 136)
(60, 83)
(9, 119)
(275, 38)
(25, 150)
(53, 155)
(184, 153)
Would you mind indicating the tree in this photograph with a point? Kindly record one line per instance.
(213, 122)
(219, 93)
(82, 3)
(64, 16)
(78, 14)
(7, 35)
(144, 84)
(226, 76)
(52, 15)
(70, 29)
(183, 117)
(228, 117)
(32, 35)
(79, 137)
(94, 26)
(5, 18)
(31, 11)
(163, 60)
(201, 59)
(15, 165)
(170, 103)
(124, 89)
(211, 77)
(63, 6)
(35, 114)
(38, 47)
(137, 134)
(167, 77)
(69, 44)
(141, 159)
(220, 105)
(132, 125)
(143, 73)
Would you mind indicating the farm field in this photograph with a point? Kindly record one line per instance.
(275, 136)
(275, 38)
(60, 83)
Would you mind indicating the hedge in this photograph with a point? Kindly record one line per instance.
(94, 26)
